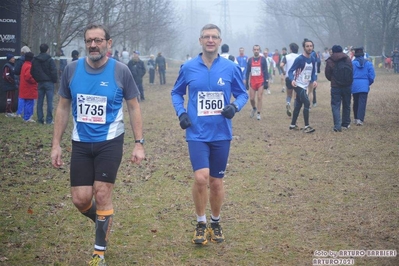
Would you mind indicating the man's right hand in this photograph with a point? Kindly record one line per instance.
(184, 121)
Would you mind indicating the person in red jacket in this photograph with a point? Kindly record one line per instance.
(27, 88)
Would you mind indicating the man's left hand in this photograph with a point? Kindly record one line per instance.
(229, 111)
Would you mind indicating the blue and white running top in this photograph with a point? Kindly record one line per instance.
(304, 69)
(97, 98)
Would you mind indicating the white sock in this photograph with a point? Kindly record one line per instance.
(215, 219)
(201, 218)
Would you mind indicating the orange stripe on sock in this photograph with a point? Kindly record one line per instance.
(105, 213)
(88, 208)
(99, 253)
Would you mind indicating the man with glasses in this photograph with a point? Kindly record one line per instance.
(210, 81)
(93, 88)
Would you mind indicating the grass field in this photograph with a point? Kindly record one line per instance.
(288, 194)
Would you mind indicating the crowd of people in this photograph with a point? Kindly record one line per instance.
(216, 87)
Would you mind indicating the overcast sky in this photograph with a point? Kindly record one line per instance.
(243, 14)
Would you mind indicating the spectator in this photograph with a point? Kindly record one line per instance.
(151, 68)
(363, 77)
(44, 72)
(395, 60)
(63, 62)
(340, 89)
(75, 55)
(9, 85)
(138, 70)
(28, 88)
(160, 67)
(17, 71)
(116, 55)
(125, 56)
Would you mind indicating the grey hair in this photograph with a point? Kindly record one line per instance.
(210, 27)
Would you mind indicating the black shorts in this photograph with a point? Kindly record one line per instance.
(95, 161)
(288, 83)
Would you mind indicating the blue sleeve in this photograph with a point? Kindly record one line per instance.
(238, 89)
(249, 63)
(314, 76)
(371, 73)
(178, 92)
(265, 70)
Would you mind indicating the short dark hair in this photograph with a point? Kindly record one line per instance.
(294, 47)
(211, 27)
(305, 41)
(43, 48)
(98, 26)
(225, 48)
(29, 56)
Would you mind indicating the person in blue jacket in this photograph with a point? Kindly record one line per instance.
(302, 75)
(210, 81)
(363, 77)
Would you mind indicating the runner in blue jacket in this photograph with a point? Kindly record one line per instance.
(210, 81)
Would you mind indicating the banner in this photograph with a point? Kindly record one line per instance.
(10, 38)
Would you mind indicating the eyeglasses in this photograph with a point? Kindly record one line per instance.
(98, 41)
(208, 37)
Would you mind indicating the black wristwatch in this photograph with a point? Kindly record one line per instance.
(141, 141)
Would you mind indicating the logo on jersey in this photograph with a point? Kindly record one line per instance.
(201, 95)
(104, 83)
(81, 98)
(221, 82)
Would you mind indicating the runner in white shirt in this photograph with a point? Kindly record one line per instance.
(286, 64)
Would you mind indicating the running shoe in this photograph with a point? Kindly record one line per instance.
(10, 115)
(309, 129)
(200, 234)
(359, 122)
(97, 261)
(288, 107)
(346, 127)
(258, 116)
(252, 112)
(268, 91)
(215, 230)
(296, 128)
(283, 90)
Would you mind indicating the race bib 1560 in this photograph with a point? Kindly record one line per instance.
(210, 103)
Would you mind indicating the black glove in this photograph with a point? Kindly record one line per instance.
(184, 121)
(266, 85)
(229, 111)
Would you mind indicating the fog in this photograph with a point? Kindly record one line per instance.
(240, 23)
(273, 24)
